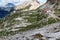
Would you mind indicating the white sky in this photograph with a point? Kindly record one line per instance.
(16, 2)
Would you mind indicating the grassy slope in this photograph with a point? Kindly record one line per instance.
(36, 18)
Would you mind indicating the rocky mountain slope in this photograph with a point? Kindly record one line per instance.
(20, 22)
(32, 5)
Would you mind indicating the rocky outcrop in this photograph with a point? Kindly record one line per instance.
(55, 1)
(34, 4)
(25, 4)
(31, 5)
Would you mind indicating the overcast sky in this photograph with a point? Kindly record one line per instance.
(16, 2)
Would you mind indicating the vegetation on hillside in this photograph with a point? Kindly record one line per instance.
(35, 17)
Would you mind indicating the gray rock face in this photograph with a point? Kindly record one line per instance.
(53, 1)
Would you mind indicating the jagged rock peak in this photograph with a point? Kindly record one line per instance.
(33, 4)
